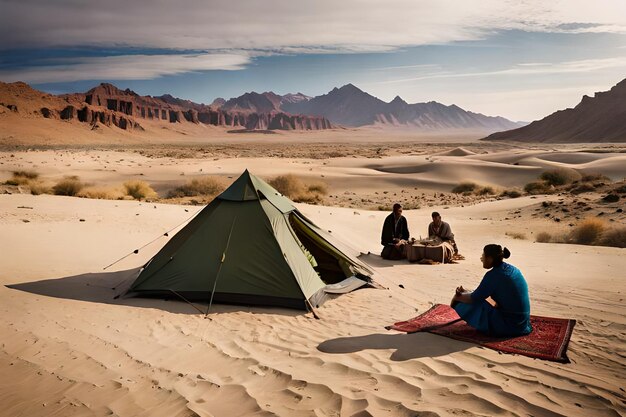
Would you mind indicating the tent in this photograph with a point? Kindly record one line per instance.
(250, 245)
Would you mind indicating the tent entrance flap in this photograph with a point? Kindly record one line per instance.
(331, 265)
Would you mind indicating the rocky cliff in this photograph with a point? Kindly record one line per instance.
(108, 105)
(601, 118)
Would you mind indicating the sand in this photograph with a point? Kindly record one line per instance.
(68, 348)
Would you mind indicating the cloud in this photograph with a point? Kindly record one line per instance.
(287, 25)
(533, 68)
(125, 67)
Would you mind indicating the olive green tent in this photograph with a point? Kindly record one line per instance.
(250, 245)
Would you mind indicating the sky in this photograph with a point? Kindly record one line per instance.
(519, 59)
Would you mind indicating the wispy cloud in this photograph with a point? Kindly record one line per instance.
(534, 68)
(125, 67)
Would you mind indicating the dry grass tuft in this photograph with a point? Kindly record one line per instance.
(516, 235)
(23, 177)
(297, 190)
(587, 232)
(485, 191)
(511, 194)
(543, 237)
(139, 190)
(465, 187)
(203, 186)
(70, 186)
(538, 187)
(614, 237)
(102, 193)
(584, 187)
(38, 187)
(560, 176)
(593, 177)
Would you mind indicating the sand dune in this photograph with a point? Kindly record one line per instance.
(70, 348)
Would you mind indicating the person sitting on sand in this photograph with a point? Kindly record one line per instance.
(395, 235)
(504, 284)
(439, 228)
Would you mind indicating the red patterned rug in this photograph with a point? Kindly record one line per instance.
(548, 339)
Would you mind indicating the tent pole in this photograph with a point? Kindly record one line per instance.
(219, 269)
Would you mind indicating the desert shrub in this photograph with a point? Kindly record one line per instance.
(297, 190)
(38, 187)
(465, 187)
(138, 189)
(594, 177)
(318, 187)
(543, 237)
(538, 187)
(587, 232)
(29, 174)
(203, 186)
(584, 187)
(22, 177)
(69, 185)
(485, 191)
(560, 176)
(614, 237)
(102, 193)
(511, 194)
(516, 235)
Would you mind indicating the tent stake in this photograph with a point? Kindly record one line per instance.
(312, 310)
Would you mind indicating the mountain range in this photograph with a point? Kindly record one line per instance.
(352, 107)
(601, 118)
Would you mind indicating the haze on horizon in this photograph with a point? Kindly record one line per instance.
(520, 60)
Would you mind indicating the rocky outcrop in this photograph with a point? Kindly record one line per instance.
(595, 119)
(93, 116)
(108, 105)
(251, 111)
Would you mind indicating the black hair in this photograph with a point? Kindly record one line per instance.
(397, 206)
(497, 253)
(435, 214)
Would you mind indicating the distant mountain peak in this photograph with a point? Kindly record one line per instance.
(595, 119)
(398, 100)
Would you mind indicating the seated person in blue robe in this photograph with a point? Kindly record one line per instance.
(504, 284)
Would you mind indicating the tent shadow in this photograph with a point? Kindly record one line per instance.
(103, 287)
(407, 346)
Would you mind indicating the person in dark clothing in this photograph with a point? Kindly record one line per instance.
(439, 228)
(395, 235)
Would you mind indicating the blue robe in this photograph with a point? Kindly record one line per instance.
(506, 285)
